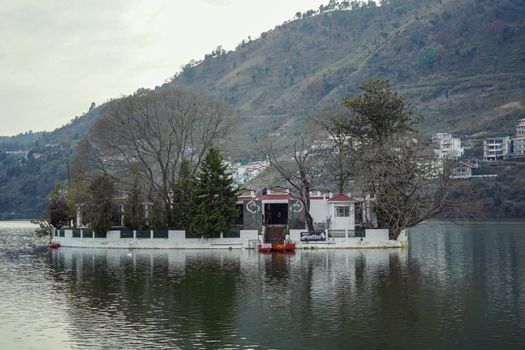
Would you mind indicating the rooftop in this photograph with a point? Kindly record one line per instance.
(341, 198)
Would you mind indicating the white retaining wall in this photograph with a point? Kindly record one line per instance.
(175, 240)
(374, 238)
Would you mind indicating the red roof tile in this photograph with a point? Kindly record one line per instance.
(341, 198)
(280, 196)
(245, 198)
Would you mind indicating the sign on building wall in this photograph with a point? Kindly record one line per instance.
(315, 236)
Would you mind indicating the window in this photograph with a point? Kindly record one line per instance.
(342, 211)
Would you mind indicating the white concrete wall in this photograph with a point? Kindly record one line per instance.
(343, 222)
(320, 210)
(403, 238)
(295, 235)
(176, 239)
(373, 239)
(376, 235)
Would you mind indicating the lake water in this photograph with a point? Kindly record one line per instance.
(456, 287)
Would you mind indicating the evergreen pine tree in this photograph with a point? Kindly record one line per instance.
(57, 211)
(100, 208)
(158, 218)
(213, 201)
(182, 190)
(134, 209)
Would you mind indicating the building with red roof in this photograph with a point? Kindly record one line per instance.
(275, 212)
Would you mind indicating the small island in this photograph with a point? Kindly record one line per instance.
(151, 175)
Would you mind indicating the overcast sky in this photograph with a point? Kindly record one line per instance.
(58, 56)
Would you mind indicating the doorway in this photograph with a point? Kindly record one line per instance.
(276, 213)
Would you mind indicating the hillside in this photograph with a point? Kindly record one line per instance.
(461, 63)
(31, 163)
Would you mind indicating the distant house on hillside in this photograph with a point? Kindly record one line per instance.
(449, 147)
(518, 142)
(496, 148)
(520, 128)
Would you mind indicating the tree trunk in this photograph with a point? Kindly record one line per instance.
(309, 221)
(307, 216)
(393, 233)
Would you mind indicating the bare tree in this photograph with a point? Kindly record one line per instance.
(336, 123)
(378, 147)
(149, 133)
(408, 186)
(302, 166)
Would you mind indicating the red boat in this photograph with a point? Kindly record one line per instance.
(54, 245)
(278, 247)
(264, 248)
(283, 247)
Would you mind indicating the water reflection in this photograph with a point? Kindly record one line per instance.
(205, 298)
(456, 287)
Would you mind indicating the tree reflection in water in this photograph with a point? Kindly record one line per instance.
(145, 295)
(451, 287)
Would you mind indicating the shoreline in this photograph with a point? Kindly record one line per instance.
(247, 239)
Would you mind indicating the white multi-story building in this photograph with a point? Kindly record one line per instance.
(518, 146)
(518, 142)
(520, 128)
(242, 172)
(449, 147)
(496, 148)
(440, 136)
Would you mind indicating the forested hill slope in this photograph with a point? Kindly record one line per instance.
(31, 164)
(461, 62)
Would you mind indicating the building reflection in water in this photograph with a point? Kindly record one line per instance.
(228, 297)
(441, 291)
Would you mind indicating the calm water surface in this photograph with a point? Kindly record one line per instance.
(456, 287)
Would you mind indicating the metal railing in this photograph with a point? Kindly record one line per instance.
(160, 234)
(143, 234)
(126, 233)
(337, 233)
(232, 233)
(101, 235)
(346, 233)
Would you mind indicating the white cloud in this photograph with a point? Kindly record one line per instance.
(58, 56)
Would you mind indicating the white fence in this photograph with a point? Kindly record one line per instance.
(174, 239)
(169, 239)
